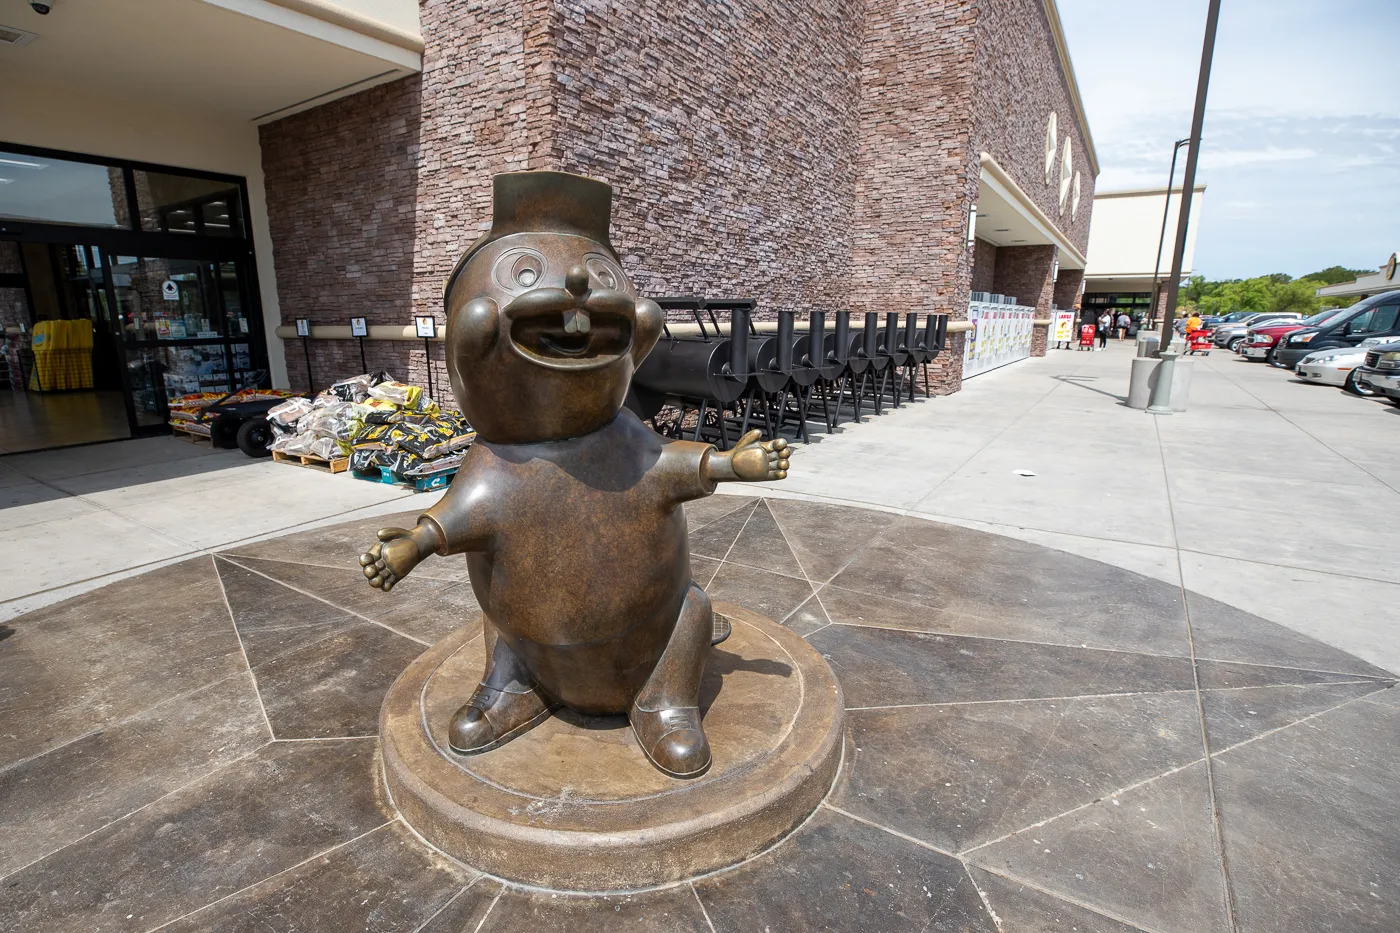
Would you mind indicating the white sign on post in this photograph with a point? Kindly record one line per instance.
(426, 325)
(169, 290)
(303, 327)
(358, 328)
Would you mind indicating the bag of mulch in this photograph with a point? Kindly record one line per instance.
(376, 378)
(327, 448)
(374, 437)
(399, 461)
(419, 438)
(289, 412)
(440, 465)
(401, 394)
(363, 458)
(354, 389)
(299, 444)
(378, 411)
(339, 421)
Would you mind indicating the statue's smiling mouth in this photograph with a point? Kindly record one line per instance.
(575, 338)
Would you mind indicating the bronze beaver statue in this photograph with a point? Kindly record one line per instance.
(568, 507)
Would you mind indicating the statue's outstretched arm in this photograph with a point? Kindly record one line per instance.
(456, 524)
(398, 551)
(749, 461)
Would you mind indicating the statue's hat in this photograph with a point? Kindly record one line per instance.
(546, 202)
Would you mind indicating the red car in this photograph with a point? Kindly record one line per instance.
(1259, 342)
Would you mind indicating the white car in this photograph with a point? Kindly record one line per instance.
(1333, 367)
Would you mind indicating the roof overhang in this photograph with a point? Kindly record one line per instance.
(1006, 216)
(254, 60)
(1385, 280)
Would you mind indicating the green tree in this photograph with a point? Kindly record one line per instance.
(1299, 296)
(1335, 275)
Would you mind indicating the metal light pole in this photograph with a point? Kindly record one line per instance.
(1188, 181)
(1162, 237)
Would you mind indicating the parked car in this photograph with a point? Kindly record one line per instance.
(1233, 334)
(1260, 339)
(1338, 366)
(1377, 316)
(1379, 372)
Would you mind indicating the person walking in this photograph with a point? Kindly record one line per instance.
(1124, 322)
(1105, 325)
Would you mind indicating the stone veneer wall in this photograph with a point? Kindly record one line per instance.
(372, 198)
(917, 172)
(1019, 82)
(812, 157)
(728, 136)
(1024, 272)
(984, 266)
(1068, 288)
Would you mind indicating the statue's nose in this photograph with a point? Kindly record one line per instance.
(576, 281)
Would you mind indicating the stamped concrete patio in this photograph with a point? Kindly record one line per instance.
(1036, 741)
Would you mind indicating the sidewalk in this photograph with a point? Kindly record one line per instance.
(1267, 494)
(84, 517)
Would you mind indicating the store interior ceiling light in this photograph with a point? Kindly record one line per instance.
(23, 164)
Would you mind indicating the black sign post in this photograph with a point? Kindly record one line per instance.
(304, 332)
(358, 330)
(426, 326)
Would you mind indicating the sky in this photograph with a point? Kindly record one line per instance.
(1299, 149)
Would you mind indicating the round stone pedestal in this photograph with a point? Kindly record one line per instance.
(574, 804)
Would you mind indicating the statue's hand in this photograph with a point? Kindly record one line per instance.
(391, 559)
(752, 461)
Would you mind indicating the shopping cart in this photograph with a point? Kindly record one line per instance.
(1199, 341)
(1086, 337)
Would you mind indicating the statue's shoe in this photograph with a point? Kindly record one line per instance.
(493, 717)
(673, 740)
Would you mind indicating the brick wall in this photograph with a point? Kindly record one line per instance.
(917, 170)
(984, 266)
(372, 198)
(729, 138)
(1019, 82)
(1068, 288)
(1024, 272)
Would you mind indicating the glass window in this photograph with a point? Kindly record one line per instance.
(1378, 320)
(186, 204)
(167, 299)
(60, 192)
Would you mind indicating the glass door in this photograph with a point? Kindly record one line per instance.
(184, 329)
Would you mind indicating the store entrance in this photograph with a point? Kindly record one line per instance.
(106, 340)
(122, 286)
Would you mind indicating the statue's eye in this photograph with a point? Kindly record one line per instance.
(527, 271)
(604, 271)
(519, 268)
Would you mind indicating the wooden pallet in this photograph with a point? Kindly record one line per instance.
(338, 465)
(194, 437)
(417, 483)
